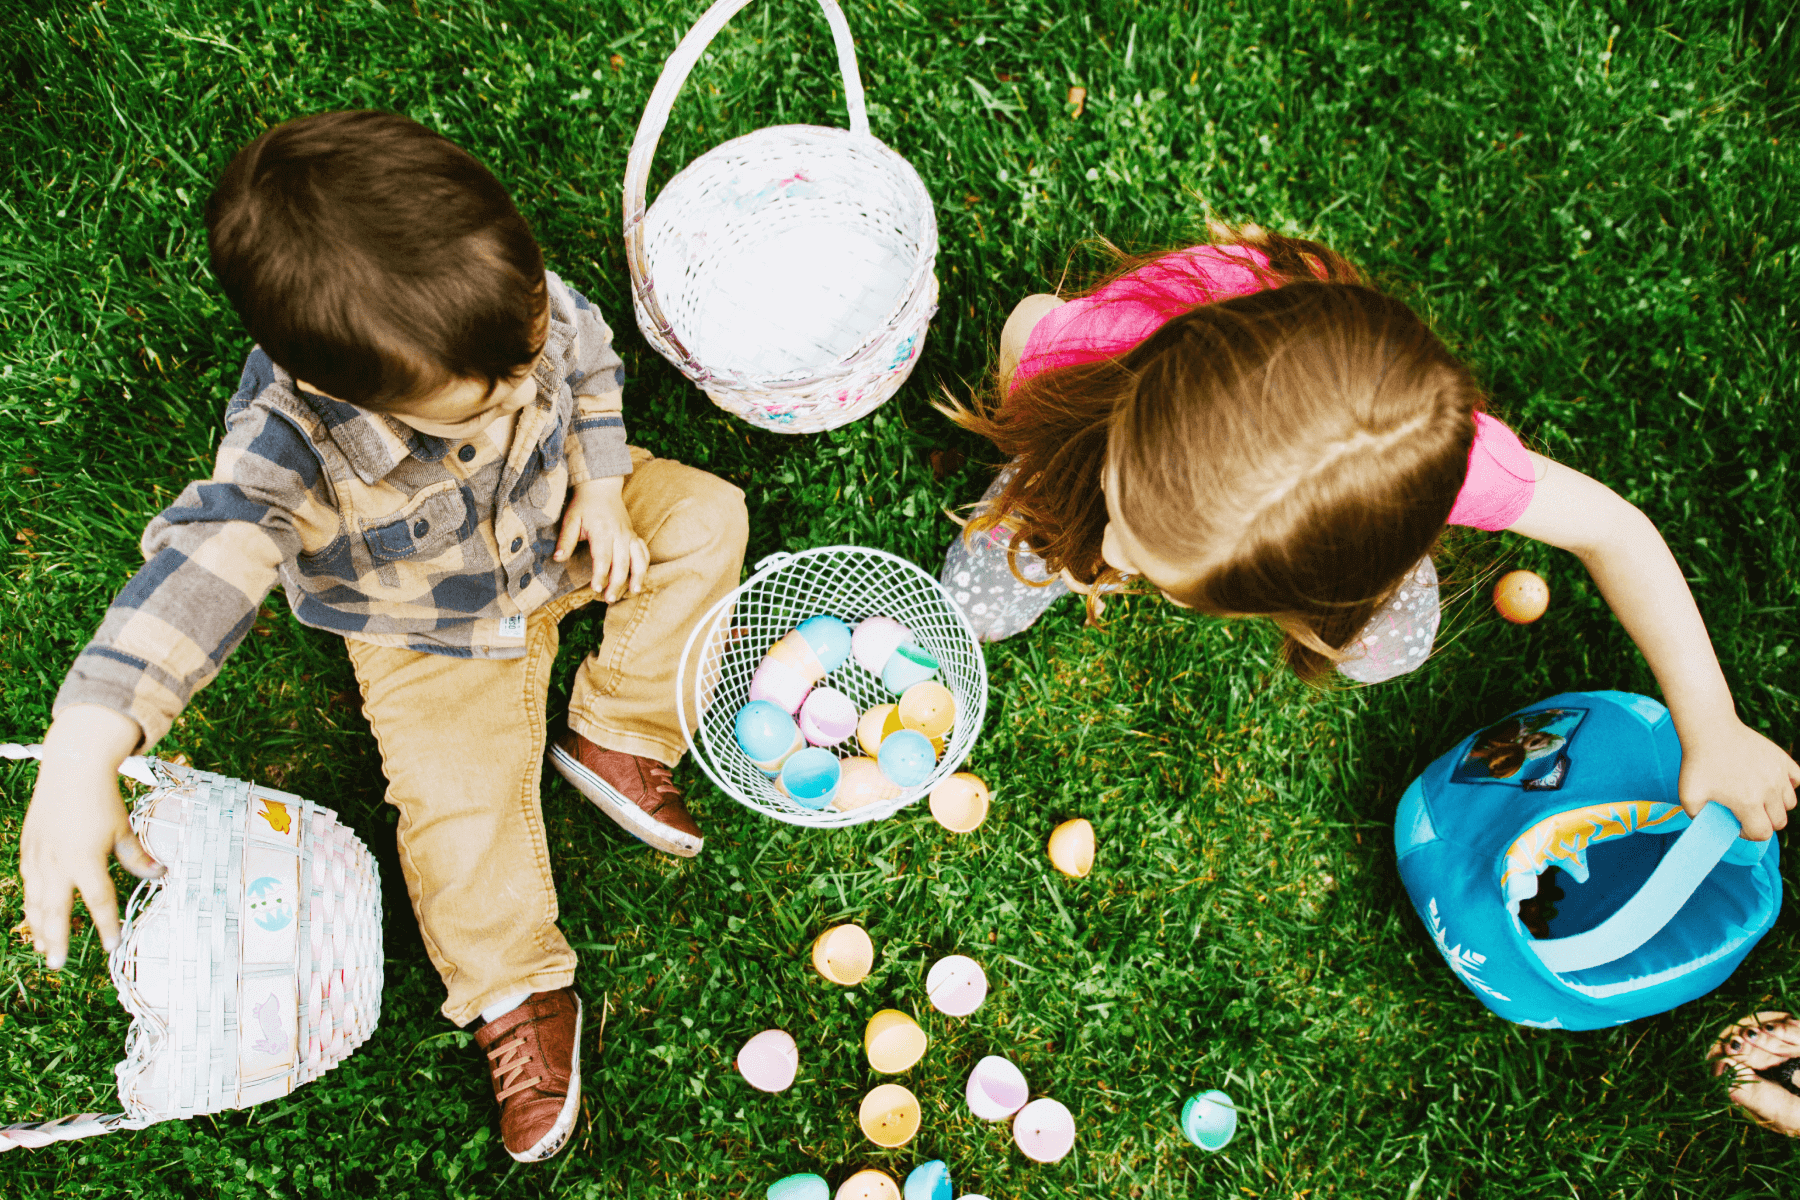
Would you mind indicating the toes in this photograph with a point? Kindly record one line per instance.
(1773, 1106)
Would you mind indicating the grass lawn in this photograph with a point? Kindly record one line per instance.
(1599, 207)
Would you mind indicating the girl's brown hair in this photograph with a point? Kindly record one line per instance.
(1296, 450)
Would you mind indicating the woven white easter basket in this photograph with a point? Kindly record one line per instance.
(251, 967)
(848, 582)
(787, 272)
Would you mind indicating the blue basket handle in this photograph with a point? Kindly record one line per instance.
(1709, 840)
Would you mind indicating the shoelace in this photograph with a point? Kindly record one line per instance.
(511, 1067)
(662, 782)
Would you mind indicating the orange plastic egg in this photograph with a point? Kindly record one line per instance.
(1521, 596)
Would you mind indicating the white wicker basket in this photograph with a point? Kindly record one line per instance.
(849, 582)
(787, 272)
(251, 967)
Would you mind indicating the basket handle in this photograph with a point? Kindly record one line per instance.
(1712, 837)
(136, 767)
(656, 117)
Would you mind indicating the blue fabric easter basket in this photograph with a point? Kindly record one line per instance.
(1554, 868)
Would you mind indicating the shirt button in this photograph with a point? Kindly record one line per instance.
(420, 528)
(466, 453)
(525, 579)
(517, 542)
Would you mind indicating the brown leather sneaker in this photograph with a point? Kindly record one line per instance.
(636, 792)
(534, 1058)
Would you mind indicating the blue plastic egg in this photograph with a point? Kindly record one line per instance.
(906, 758)
(811, 776)
(804, 1186)
(929, 1181)
(829, 639)
(766, 734)
(907, 666)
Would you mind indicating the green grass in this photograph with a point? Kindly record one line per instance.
(1610, 240)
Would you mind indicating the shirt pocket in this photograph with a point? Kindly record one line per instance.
(436, 519)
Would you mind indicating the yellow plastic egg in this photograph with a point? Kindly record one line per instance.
(893, 1042)
(889, 1116)
(959, 802)
(928, 707)
(843, 954)
(876, 724)
(1072, 847)
(869, 1184)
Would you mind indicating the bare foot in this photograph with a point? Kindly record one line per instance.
(1755, 1044)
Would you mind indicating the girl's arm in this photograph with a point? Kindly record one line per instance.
(1721, 758)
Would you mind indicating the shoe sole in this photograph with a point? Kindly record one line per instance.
(629, 817)
(553, 1141)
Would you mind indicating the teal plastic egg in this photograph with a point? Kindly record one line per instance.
(829, 639)
(1209, 1120)
(811, 776)
(804, 1186)
(906, 666)
(766, 734)
(929, 1181)
(906, 758)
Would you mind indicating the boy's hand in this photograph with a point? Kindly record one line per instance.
(75, 821)
(596, 511)
(1744, 771)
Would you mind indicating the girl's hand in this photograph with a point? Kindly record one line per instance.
(1744, 771)
(596, 511)
(75, 822)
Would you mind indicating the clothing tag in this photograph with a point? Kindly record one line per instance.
(512, 627)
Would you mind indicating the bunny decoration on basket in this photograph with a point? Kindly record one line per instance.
(252, 966)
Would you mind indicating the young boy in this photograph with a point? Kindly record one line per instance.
(428, 428)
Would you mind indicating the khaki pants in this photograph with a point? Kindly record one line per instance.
(462, 740)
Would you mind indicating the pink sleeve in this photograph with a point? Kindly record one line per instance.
(1500, 479)
(1134, 306)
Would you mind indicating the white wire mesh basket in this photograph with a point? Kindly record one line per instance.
(788, 272)
(850, 583)
(252, 966)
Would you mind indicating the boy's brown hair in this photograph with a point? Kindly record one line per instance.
(375, 259)
(1297, 449)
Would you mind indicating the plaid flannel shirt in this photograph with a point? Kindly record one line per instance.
(378, 532)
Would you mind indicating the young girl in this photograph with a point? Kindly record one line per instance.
(1250, 429)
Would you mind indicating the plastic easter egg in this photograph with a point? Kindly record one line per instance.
(893, 1041)
(804, 1186)
(875, 725)
(827, 717)
(769, 1061)
(956, 985)
(1072, 847)
(959, 802)
(861, 784)
(1521, 596)
(796, 652)
(929, 1181)
(996, 1089)
(928, 707)
(829, 639)
(1209, 1120)
(906, 758)
(810, 777)
(1044, 1130)
(766, 734)
(907, 666)
(780, 685)
(869, 1184)
(889, 1116)
(843, 954)
(875, 641)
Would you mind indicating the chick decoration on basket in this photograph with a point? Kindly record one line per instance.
(794, 720)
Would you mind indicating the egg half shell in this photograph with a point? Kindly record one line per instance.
(928, 707)
(893, 1041)
(908, 665)
(956, 985)
(869, 1184)
(959, 802)
(827, 717)
(1521, 596)
(810, 777)
(769, 1061)
(1072, 847)
(804, 1186)
(1044, 1130)
(843, 954)
(929, 1181)
(861, 785)
(889, 1116)
(996, 1089)
(780, 685)
(829, 639)
(875, 641)
(906, 758)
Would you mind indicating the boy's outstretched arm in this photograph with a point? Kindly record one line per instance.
(75, 822)
(1721, 758)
